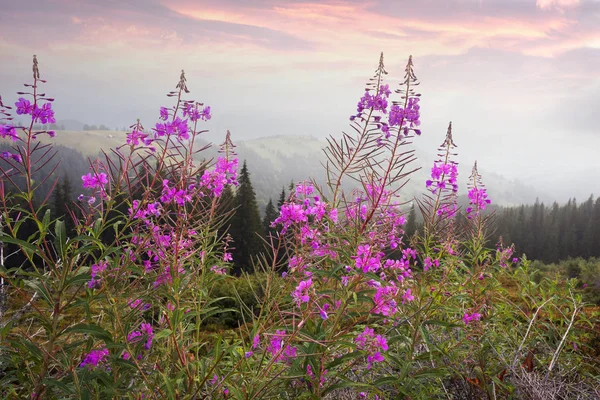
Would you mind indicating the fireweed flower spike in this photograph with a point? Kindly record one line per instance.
(137, 136)
(40, 110)
(440, 205)
(405, 115)
(478, 198)
(375, 98)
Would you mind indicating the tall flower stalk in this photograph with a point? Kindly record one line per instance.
(439, 207)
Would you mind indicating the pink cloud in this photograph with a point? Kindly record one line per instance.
(557, 4)
(349, 27)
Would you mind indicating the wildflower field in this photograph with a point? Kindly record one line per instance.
(125, 299)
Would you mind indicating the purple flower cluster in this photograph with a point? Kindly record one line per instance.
(97, 270)
(404, 118)
(43, 114)
(177, 126)
(468, 318)
(428, 263)
(407, 297)
(219, 270)
(443, 177)
(224, 173)
(194, 113)
(95, 180)
(478, 201)
(367, 260)
(276, 349)
(163, 240)
(290, 214)
(372, 345)
(138, 304)
(164, 113)
(137, 136)
(146, 334)
(8, 155)
(385, 300)
(94, 358)
(136, 211)
(376, 102)
(9, 131)
(24, 107)
(301, 294)
(504, 254)
(175, 195)
(297, 212)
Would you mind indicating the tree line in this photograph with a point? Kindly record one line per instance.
(552, 233)
(546, 233)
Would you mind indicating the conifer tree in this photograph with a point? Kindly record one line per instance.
(246, 225)
(596, 229)
(58, 202)
(282, 198)
(226, 210)
(270, 215)
(411, 223)
(67, 189)
(67, 194)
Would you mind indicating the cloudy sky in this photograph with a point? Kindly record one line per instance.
(519, 79)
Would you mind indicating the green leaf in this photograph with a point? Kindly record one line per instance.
(97, 227)
(388, 380)
(29, 248)
(60, 231)
(46, 220)
(40, 290)
(169, 387)
(81, 277)
(345, 357)
(60, 385)
(92, 330)
(432, 373)
(163, 333)
(441, 323)
(347, 384)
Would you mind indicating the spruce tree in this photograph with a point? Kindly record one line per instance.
(270, 216)
(411, 223)
(596, 229)
(58, 202)
(282, 199)
(225, 211)
(246, 225)
(67, 189)
(67, 194)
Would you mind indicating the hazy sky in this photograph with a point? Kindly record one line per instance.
(520, 79)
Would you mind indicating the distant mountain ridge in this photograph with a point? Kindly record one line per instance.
(299, 157)
(276, 161)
